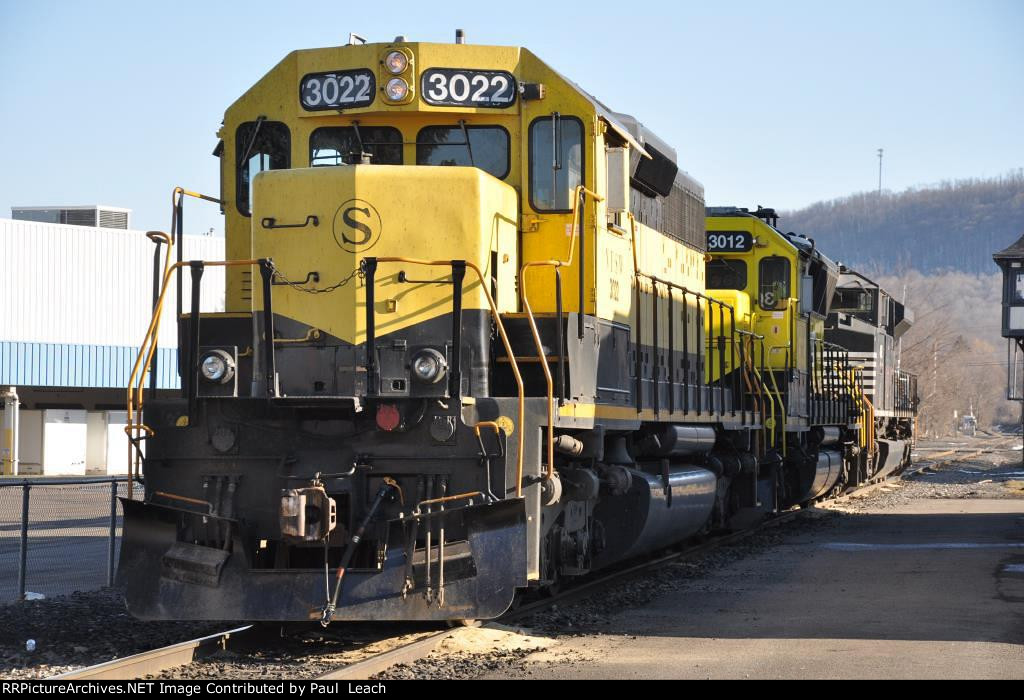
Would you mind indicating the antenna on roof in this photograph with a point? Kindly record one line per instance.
(354, 39)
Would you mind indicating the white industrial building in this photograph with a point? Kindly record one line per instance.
(75, 303)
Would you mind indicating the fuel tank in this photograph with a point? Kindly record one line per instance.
(679, 440)
(657, 510)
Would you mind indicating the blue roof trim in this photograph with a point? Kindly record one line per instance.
(66, 365)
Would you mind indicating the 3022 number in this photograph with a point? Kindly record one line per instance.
(442, 86)
(334, 90)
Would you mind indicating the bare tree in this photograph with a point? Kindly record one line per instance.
(954, 347)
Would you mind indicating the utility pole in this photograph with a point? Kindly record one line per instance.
(935, 371)
(879, 172)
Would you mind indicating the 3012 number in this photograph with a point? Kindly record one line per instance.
(732, 241)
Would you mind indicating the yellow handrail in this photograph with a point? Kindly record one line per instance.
(764, 388)
(763, 391)
(197, 195)
(152, 332)
(154, 323)
(504, 339)
(778, 395)
(858, 398)
(869, 422)
(541, 355)
(144, 359)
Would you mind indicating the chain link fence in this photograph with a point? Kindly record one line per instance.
(59, 536)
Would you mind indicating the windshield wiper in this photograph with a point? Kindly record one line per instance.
(252, 140)
(469, 146)
(362, 157)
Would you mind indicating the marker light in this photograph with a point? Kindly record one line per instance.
(396, 90)
(396, 62)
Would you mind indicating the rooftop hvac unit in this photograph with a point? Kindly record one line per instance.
(93, 215)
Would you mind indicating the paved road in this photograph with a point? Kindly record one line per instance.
(916, 586)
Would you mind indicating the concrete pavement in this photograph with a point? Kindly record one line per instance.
(930, 588)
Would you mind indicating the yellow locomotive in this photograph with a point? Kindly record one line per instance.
(467, 350)
(824, 348)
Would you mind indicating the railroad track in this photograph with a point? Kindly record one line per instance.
(421, 648)
(184, 653)
(165, 658)
(176, 655)
(952, 455)
(157, 660)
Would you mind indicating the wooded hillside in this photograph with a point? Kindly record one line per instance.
(950, 226)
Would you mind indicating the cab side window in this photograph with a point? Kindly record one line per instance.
(260, 145)
(773, 282)
(556, 162)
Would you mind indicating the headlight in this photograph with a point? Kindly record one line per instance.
(428, 366)
(396, 62)
(217, 367)
(396, 90)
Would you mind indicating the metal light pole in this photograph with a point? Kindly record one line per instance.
(879, 172)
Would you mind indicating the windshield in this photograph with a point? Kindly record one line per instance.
(345, 145)
(485, 147)
(723, 273)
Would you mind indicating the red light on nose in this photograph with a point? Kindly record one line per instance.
(388, 417)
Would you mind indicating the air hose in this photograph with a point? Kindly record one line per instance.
(346, 558)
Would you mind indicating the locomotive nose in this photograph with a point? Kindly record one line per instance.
(319, 224)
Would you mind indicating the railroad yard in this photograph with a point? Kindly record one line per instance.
(919, 577)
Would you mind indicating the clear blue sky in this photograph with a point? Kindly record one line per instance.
(780, 104)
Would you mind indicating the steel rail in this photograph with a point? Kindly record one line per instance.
(156, 660)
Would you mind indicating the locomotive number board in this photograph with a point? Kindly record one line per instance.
(338, 90)
(730, 241)
(468, 88)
